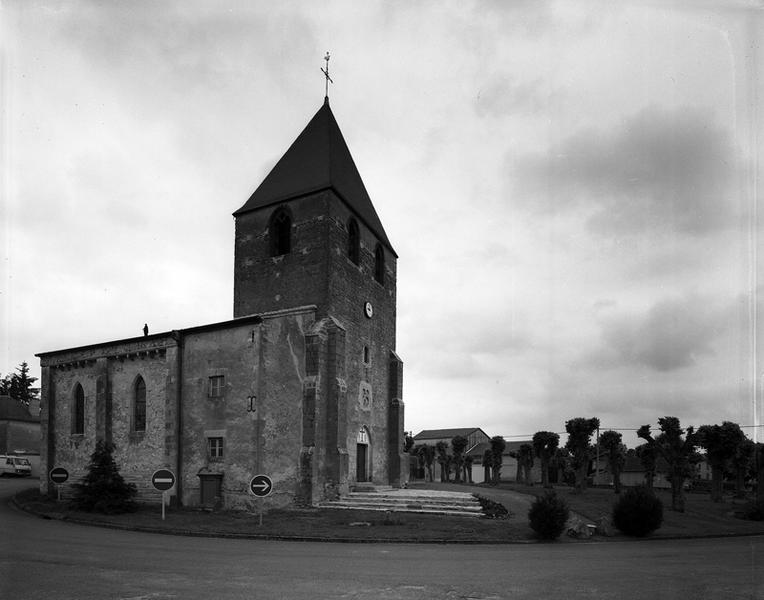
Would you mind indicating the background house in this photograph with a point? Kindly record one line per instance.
(475, 437)
(20, 430)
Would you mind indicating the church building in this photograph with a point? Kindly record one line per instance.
(303, 383)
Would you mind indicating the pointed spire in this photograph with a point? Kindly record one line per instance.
(318, 159)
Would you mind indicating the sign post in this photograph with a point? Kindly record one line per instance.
(58, 475)
(163, 480)
(261, 486)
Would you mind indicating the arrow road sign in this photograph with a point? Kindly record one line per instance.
(163, 479)
(261, 485)
(59, 475)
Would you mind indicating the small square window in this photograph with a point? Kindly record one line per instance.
(216, 386)
(215, 448)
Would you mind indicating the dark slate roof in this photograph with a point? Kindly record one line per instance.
(318, 159)
(436, 434)
(12, 410)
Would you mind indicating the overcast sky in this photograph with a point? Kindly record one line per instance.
(571, 187)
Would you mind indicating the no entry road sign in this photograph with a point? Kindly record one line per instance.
(261, 485)
(163, 479)
(58, 475)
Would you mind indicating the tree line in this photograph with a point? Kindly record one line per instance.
(730, 455)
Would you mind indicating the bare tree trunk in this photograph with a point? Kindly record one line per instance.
(617, 480)
(649, 479)
(717, 483)
(545, 473)
(581, 478)
(740, 483)
(677, 493)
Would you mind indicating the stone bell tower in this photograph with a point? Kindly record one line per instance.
(309, 235)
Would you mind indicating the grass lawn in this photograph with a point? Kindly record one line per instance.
(701, 516)
(309, 523)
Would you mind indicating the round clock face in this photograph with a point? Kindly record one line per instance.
(368, 310)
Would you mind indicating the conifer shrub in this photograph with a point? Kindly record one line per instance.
(548, 515)
(103, 489)
(638, 512)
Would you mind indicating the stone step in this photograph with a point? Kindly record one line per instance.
(405, 500)
(455, 511)
(411, 499)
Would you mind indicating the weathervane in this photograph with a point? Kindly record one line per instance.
(328, 79)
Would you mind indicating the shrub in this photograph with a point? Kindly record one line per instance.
(548, 515)
(638, 512)
(103, 489)
(491, 509)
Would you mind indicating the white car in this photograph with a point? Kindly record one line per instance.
(15, 465)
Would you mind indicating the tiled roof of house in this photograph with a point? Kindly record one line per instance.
(436, 434)
(12, 410)
(513, 446)
(318, 159)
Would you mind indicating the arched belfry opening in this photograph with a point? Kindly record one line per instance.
(280, 232)
(363, 456)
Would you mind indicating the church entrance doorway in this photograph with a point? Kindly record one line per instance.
(362, 456)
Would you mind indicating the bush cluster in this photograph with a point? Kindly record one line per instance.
(548, 515)
(638, 512)
(491, 509)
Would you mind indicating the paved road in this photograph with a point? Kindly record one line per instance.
(56, 560)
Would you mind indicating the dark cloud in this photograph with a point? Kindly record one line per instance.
(660, 171)
(673, 334)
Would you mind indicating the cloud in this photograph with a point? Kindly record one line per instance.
(673, 334)
(506, 96)
(662, 170)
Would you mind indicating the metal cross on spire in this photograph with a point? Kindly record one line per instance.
(328, 79)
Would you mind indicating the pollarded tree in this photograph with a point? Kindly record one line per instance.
(758, 468)
(444, 460)
(741, 464)
(468, 460)
(649, 458)
(616, 455)
(580, 432)
(488, 466)
(545, 445)
(720, 442)
(525, 461)
(426, 455)
(458, 446)
(497, 452)
(679, 453)
(103, 489)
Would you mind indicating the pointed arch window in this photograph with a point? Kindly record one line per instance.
(139, 405)
(280, 232)
(379, 264)
(354, 241)
(78, 411)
